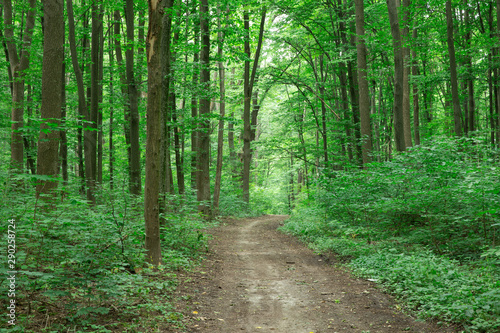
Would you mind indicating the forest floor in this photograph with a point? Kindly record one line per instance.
(257, 279)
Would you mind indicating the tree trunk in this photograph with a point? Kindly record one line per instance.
(123, 86)
(364, 98)
(203, 158)
(249, 79)
(222, 111)
(111, 111)
(166, 178)
(18, 65)
(416, 105)
(470, 75)
(63, 155)
(194, 109)
(457, 113)
(406, 73)
(151, 187)
(179, 167)
(135, 153)
(53, 56)
(82, 103)
(398, 76)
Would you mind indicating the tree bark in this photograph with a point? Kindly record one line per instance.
(249, 79)
(82, 103)
(151, 188)
(53, 56)
(194, 108)
(457, 113)
(18, 65)
(416, 105)
(398, 76)
(406, 73)
(364, 98)
(135, 153)
(203, 158)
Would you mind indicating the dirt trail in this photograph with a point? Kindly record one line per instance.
(260, 280)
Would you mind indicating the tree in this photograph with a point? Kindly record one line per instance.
(135, 152)
(151, 188)
(398, 76)
(19, 61)
(53, 56)
(249, 79)
(457, 112)
(222, 111)
(364, 98)
(203, 140)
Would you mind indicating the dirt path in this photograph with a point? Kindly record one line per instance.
(260, 280)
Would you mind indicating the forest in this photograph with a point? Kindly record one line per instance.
(129, 129)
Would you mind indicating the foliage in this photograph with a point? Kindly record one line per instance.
(423, 223)
(84, 266)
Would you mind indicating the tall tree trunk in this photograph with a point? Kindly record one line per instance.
(352, 77)
(63, 155)
(111, 111)
(19, 63)
(82, 103)
(90, 135)
(100, 137)
(203, 158)
(222, 111)
(457, 113)
(53, 57)
(398, 76)
(470, 75)
(364, 98)
(179, 167)
(406, 73)
(194, 108)
(135, 152)
(151, 187)
(123, 86)
(166, 178)
(249, 79)
(416, 105)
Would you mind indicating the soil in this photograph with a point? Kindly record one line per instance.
(257, 279)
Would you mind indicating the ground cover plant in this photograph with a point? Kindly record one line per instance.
(425, 224)
(82, 268)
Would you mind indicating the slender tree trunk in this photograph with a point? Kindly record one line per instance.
(354, 93)
(53, 56)
(151, 187)
(249, 79)
(19, 63)
(406, 73)
(416, 105)
(203, 158)
(470, 75)
(166, 177)
(100, 138)
(222, 110)
(457, 113)
(364, 98)
(63, 156)
(135, 153)
(123, 86)
(82, 103)
(179, 167)
(194, 110)
(111, 111)
(398, 76)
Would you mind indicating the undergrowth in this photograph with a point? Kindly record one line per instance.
(81, 268)
(426, 225)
